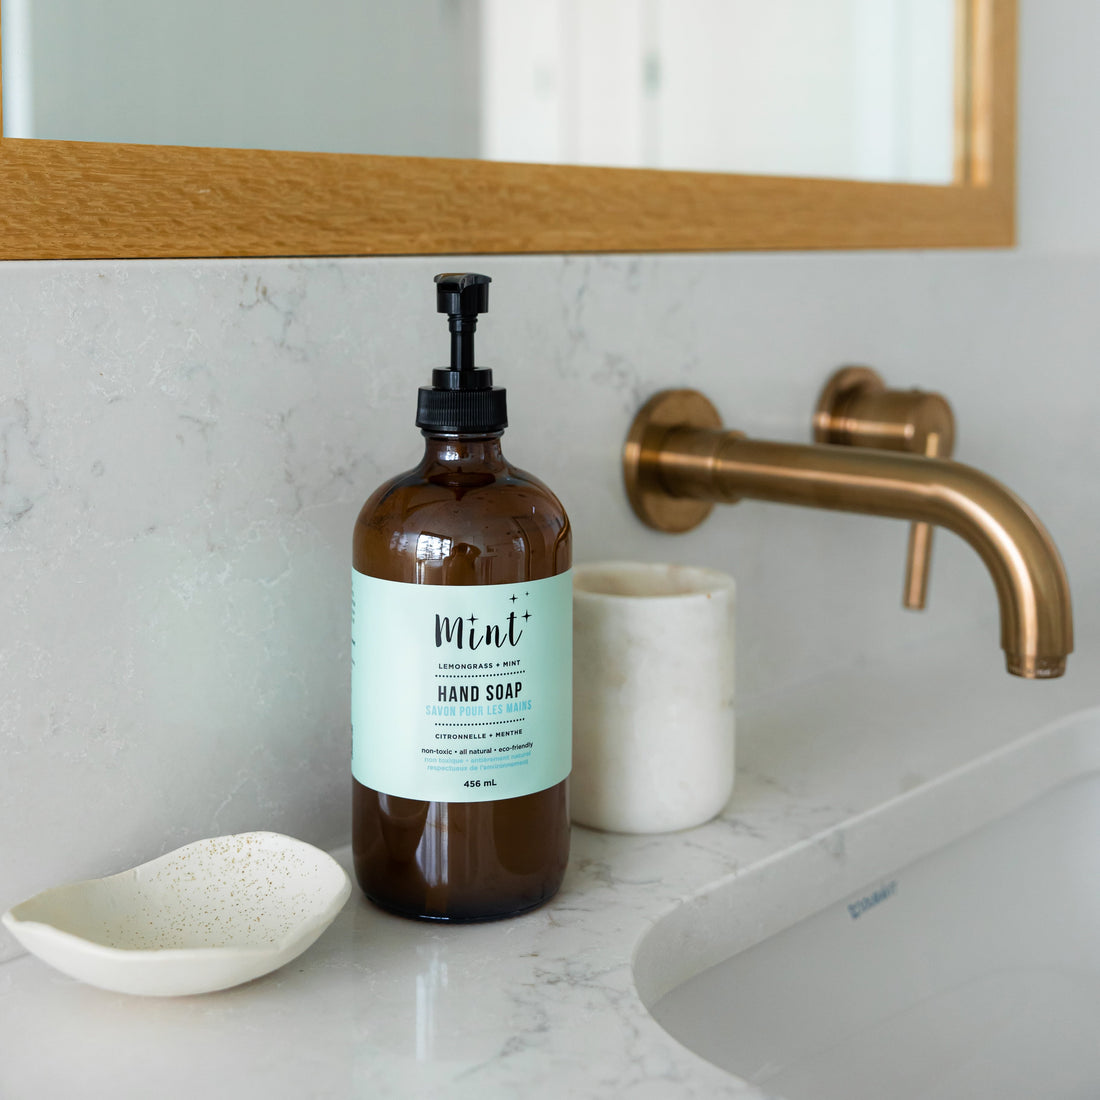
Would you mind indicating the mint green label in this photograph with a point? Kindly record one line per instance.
(461, 693)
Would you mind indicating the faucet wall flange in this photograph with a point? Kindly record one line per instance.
(653, 503)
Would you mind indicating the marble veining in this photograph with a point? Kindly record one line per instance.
(183, 449)
(543, 1005)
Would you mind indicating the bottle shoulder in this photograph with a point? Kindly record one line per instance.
(463, 526)
(487, 495)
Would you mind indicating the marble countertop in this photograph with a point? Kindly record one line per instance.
(545, 1004)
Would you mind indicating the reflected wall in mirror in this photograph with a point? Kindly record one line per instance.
(855, 89)
(66, 198)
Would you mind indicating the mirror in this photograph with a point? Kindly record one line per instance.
(107, 195)
(852, 89)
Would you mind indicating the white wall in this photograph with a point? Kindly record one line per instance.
(184, 447)
(859, 89)
(1058, 152)
(351, 76)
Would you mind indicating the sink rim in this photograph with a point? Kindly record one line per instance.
(714, 923)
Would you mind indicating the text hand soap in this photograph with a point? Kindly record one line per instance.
(461, 661)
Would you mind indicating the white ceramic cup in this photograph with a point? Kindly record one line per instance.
(653, 720)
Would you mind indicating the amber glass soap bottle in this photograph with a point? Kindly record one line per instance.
(461, 661)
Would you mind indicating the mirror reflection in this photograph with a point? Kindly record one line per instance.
(857, 89)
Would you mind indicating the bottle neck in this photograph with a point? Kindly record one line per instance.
(463, 449)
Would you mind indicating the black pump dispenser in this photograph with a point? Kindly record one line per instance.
(462, 399)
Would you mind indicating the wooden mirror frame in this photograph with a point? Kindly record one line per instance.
(81, 200)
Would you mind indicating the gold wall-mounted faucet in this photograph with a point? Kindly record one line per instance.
(879, 452)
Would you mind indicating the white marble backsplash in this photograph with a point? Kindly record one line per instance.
(184, 447)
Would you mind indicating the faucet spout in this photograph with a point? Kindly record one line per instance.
(686, 461)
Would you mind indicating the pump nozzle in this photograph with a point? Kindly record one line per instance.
(462, 293)
(462, 297)
(463, 397)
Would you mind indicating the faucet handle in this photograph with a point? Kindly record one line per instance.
(918, 559)
(856, 409)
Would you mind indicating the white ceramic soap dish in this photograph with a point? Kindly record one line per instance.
(207, 916)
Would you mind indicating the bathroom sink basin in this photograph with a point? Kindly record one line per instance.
(946, 945)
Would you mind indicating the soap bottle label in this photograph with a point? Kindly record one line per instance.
(461, 693)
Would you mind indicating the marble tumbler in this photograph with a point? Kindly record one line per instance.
(653, 718)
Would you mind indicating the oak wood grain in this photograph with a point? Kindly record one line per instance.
(89, 199)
